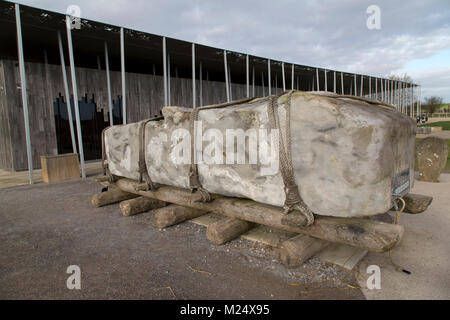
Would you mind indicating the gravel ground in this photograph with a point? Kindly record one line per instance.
(46, 228)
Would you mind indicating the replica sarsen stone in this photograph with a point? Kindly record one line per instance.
(347, 154)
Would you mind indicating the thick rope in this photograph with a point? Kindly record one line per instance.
(105, 165)
(398, 212)
(293, 199)
(143, 172)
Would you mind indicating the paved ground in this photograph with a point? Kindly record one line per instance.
(46, 228)
(424, 250)
(445, 134)
(17, 178)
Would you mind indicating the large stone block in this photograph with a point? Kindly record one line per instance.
(432, 153)
(348, 155)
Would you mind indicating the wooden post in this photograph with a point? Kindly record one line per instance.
(364, 233)
(227, 229)
(111, 196)
(174, 214)
(138, 205)
(416, 203)
(295, 251)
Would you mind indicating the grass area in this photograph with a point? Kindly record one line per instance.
(444, 124)
(447, 166)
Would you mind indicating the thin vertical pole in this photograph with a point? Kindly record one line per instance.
(370, 87)
(193, 77)
(248, 76)
(23, 84)
(334, 81)
(326, 80)
(292, 77)
(262, 82)
(201, 83)
(122, 70)
(269, 78)
(355, 85)
(169, 101)
(376, 88)
(317, 79)
(108, 85)
(253, 81)
(230, 82)
(284, 76)
(362, 86)
(382, 92)
(66, 92)
(75, 97)
(226, 74)
(342, 83)
(164, 69)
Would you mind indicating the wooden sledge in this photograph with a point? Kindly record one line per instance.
(173, 205)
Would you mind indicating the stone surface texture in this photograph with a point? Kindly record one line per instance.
(432, 155)
(345, 152)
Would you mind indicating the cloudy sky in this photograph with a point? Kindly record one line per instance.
(414, 37)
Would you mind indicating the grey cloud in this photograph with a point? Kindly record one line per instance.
(330, 34)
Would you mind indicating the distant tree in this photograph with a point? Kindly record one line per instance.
(431, 104)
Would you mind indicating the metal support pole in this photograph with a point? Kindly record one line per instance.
(262, 82)
(284, 76)
(326, 80)
(390, 91)
(370, 87)
(342, 83)
(334, 81)
(253, 81)
(108, 85)
(292, 77)
(122, 71)
(269, 78)
(164, 69)
(67, 93)
(355, 89)
(226, 74)
(169, 100)
(247, 71)
(201, 83)
(193, 78)
(317, 79)
(376, 88)
(362, 86)
(23, 85)
(75, 98)
(381, 88)
(230, 83)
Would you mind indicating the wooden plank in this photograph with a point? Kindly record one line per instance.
(342, 255)
(365, 233)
